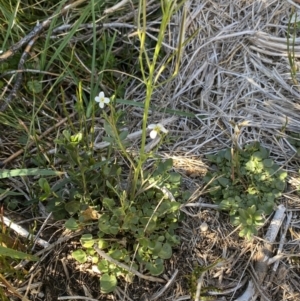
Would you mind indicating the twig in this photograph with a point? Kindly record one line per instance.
(199, 285)
(257, 285)
(24, 233)
(264, 253)
(76, 298)
(115, 7)
(40, 230)
(126, 267)
(19, 76)
(168, 284)
(51, 246)
(12, 289)
(119, 291)
(282, 242)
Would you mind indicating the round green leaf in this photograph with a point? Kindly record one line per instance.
(80, 256)
(155, 268)
(102, 244)
(72, 207)
(71, 224)
(103, 266)
(35, 86)
(268, 162)
(87, 240)
(165, 252)
(108, 283)
(223, 181)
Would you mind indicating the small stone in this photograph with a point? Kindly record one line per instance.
(204, 227)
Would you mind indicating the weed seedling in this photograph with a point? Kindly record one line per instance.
(247, 185)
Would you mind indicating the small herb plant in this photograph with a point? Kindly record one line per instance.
(247, 184)
(133, 205)
(138, 231)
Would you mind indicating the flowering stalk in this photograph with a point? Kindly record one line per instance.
(168, 8)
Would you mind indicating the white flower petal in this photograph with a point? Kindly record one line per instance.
(162, 128)
(151, 126)
(101, 99)
(153, 134)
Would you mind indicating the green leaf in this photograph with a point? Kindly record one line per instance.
(108, 283)
(250, 165)
(156, 248)
(116, 254)
(123, 135)
(16, 254)
(6, 173)
(165, 166)
(145, 242)
(109, 204)
(35, 86)
(280, 185)
(45, 186)
(103, 266)
(166, 251)
(75, 139)
(108, 129)
(155, 268)
(268, 162)
(87, 240)
(223, 181)
(282, 175)
(174, 177)
(227, 154)
(72, 207)
(80, 256)
(102, 244)
(71, 224)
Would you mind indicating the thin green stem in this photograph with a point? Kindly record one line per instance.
(167, 9)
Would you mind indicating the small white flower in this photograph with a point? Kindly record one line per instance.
(156, 129)
(102, 99)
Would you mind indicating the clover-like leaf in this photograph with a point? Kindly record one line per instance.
(103, 266)
(80, 256)
(87, 240)
(165, 251)
(35, 86)
(156, 267)
(109, 204)
(268, 162)
(108, 283)
(72, 207)
(223, 181)
(71, 224)
(250, 165)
